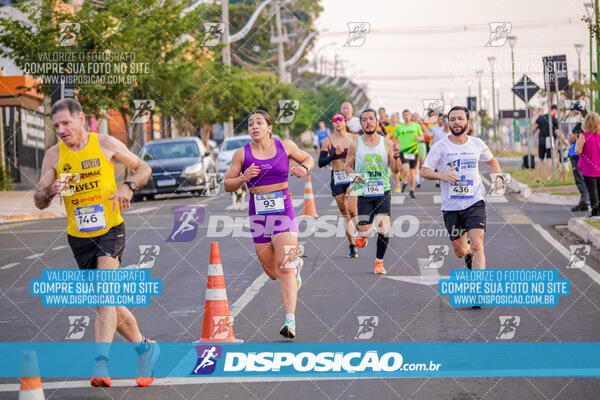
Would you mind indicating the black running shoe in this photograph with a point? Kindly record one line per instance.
(437, 184)
(403, 187)
(353, 252)
(469, 260)
(412, 195)
(288, 330)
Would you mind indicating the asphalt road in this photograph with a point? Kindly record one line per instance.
(336, 292)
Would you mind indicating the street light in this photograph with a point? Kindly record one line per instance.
(591, 12)
(578, 48)
(512, 41)
(492, 60)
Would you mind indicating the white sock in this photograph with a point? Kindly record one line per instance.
(378, 259)
(290, 316)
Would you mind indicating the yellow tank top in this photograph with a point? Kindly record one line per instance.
(91, 178)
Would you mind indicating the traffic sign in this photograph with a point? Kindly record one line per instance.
(525, 88)
(555, 66)
(472, 103)
(517, 114)
(62, 86)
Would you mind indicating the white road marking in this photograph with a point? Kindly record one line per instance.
(60, 247)
(297, 202)
(141, 210)
(230, 207)
(36, 255)
(396, 199)
(428, 277)
(595, 276)
(8, 266)
(437, 199)
(250, 292)
(14, 387)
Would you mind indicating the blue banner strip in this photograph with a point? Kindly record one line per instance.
(322, 359)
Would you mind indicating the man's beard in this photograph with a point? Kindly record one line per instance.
(461, 131)
(369, 133)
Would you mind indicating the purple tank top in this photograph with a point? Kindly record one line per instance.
(274, 170)
(337, 157)
(589, 160)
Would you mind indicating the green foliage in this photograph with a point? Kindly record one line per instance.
(5, 179)
(186, 80)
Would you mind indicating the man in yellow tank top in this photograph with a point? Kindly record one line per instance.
(80, 168)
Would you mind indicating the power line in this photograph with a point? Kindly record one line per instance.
(434, 29)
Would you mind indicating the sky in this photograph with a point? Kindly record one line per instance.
(417, 50)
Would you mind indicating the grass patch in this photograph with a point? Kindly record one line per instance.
(527, 176)
(497, 153)
(595, 224)
(565, 194)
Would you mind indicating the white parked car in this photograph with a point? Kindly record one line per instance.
(229, 146)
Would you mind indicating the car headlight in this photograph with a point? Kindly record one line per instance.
(192, 169)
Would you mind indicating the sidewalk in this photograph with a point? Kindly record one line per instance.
(18, 205)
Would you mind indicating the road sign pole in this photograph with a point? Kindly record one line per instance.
(525, 89)
(559, 143)
(549, 94)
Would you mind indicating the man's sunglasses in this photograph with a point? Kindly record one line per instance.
(338, 119)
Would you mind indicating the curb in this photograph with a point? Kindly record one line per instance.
(585, 231)
(4, 219)
(521, 188)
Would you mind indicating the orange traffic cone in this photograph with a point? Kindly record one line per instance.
(31, 384)
(309, 209)
(218, 322)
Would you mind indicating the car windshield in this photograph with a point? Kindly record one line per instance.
(235, 143)
(158, 151)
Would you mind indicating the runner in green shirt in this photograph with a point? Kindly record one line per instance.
(408, 135)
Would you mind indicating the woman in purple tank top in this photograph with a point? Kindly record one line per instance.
(263, 165)
(334, 151)
(588, 149)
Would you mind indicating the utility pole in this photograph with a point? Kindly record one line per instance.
(228, 125)
(335, 64)
(492, 61)
(280, 55)
(512, 41)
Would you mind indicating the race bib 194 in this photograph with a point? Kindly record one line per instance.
(90, 218)
(373, 188)
(268, 203)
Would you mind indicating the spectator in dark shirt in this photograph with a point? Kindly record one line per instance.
(545, 142)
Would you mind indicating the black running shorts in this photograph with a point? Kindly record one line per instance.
(461, 221)
(87, 250)
(368, 207)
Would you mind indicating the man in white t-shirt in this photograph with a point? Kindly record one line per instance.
(352, 122)
(463, 193)
(441, 130)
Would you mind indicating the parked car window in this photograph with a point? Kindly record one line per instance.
(235, 143)
(158, 151)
